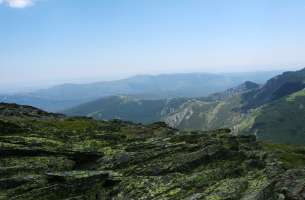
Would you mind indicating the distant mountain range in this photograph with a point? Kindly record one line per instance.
(149, 87)
(203, 113)
(272, 111)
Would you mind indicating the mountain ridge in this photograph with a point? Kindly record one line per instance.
(245, 109)
(146, 87)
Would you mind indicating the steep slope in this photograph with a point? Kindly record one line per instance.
(273, 111)
(206, 115)
(218, 110)
(55, 157)
(127, 108)
(66, 96)
(242, 88)
(281, 120)
(275, 88)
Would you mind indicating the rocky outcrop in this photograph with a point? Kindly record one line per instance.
(80, 158)
(291, 185)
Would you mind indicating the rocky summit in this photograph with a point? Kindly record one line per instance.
(45, 156)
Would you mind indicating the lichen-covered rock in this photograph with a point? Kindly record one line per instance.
(55, 157)
(291, 185)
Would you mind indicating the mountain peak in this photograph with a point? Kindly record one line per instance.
(249, 85)
(277, 87)
(244, 87)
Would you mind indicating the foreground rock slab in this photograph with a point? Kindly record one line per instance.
(55, 157)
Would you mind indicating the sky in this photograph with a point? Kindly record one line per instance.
(55, 41)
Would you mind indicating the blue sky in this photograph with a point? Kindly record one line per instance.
(55, 41)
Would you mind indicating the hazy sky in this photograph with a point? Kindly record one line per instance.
(47, 41)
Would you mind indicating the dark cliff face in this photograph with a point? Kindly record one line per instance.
(55, 157)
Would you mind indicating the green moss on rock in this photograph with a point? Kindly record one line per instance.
(55, 157)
